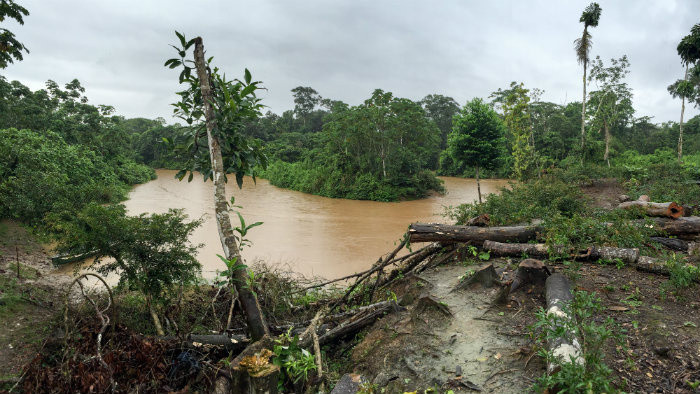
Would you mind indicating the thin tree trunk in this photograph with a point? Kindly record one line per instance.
(680, 126)
(154, 316)
(478, 185)
(606, 156)
(583, 107)
(256, 321)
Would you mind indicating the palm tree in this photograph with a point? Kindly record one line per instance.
(589, 17)
(689, 51)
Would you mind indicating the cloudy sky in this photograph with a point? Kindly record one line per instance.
(345, 49)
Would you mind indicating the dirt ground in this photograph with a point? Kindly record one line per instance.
(27, 303)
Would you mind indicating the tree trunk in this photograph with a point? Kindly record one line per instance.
(606, 156)
(435, 232)
(583, 106)
(516, 249)
(154, 316)
(478, 185)
(256, 321)
(671, 243)
(658, 209)
(680, 125)
(685, 226)
(565, 348)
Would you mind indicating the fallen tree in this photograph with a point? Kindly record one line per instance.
(658, 209)
(565, 348)
(681, 227)
(444, 233)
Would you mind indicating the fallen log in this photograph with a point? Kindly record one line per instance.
(626, 255)
(444, 233)
(515, 249)
(658, 209)
(565, 348)
(672, 243)
(681, 227)
(356, 323)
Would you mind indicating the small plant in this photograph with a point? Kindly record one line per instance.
(593, 375)
(294, 362)
(682, 275)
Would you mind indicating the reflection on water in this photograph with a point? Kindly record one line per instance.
(313, 235)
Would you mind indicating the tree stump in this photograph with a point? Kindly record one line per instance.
(530, 272)
(486, 276)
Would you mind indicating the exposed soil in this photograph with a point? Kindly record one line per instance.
(445, 339)
(27, 302)
(604, 193)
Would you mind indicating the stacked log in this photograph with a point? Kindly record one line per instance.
(658, 209)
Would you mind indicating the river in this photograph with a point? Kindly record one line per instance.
(307, 234)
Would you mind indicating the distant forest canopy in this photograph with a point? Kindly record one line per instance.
(57, 149)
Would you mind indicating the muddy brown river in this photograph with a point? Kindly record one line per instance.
(309, 234)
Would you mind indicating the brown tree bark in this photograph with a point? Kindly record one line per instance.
(478, 184)
(444, 233)
(255, 319)
(685, 226)
(680, 125)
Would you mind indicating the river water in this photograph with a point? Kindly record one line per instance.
(311, 235)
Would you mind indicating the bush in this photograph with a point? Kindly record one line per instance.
(523, 202)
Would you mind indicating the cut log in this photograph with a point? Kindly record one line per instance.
(626, 255)
(672, 243)
(565, 348)
(657, 209)
(650, 264)
(444, 233)
(515, 249)
(530, 272)
(623, 198)
(480, 221)
(681, 227)
(486, 275)
(644, 198)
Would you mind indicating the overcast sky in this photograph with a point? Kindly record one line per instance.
(346, 49)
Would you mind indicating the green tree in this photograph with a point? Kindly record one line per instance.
(305, 101)
(590, 18)
(516, 109)
(613, 99)
(151, 253)
(477, 137)
(440, 109)
(218, 109)
(10, 48)
(688, 88)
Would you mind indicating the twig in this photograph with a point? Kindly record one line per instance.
(500, 372)
(100, 314)
(234, 298)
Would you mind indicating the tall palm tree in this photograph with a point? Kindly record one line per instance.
(689, 51)
(589, 17)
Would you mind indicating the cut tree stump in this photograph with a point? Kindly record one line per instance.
(565, 348)
(530, 272)
(659, 209)
(480, 221)
(486, 275)
(672, 243)
(444, 233)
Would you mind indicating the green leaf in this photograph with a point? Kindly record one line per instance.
(189, 179)
(181, 37)
(247, 77)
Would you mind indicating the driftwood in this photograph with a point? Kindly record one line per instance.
(565, 348)
(444, 233)
(672, 243)
(658, 209)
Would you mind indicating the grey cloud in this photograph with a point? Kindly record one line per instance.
(345, 49)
